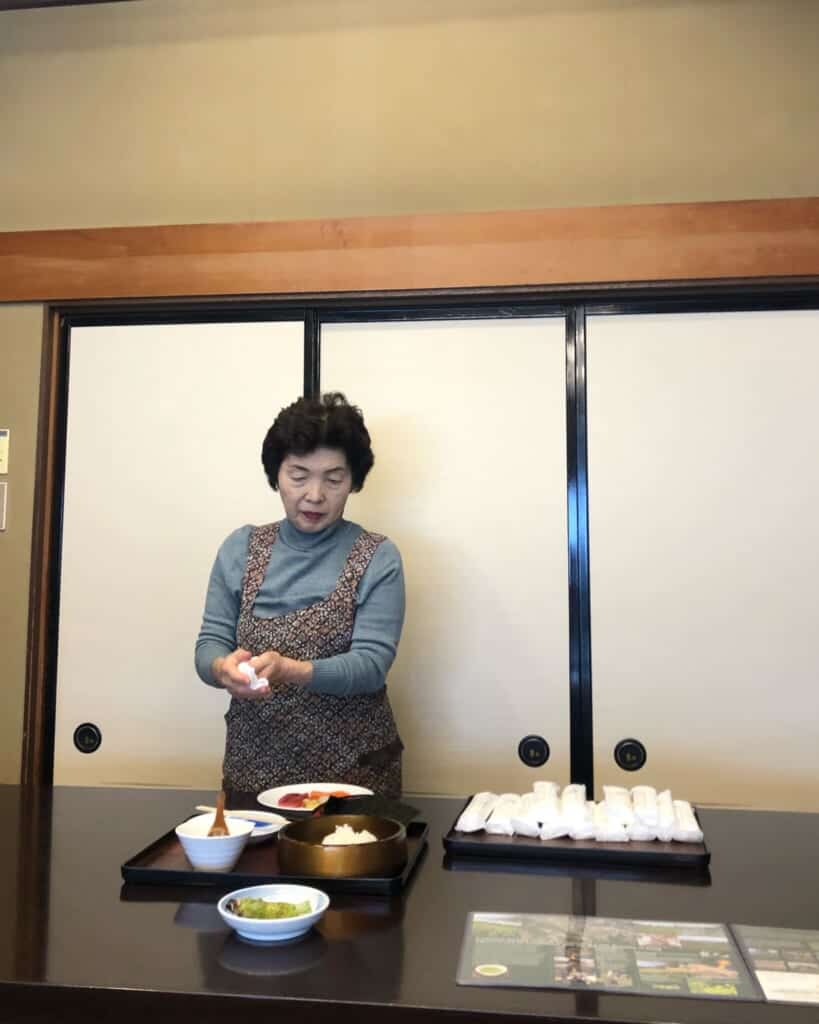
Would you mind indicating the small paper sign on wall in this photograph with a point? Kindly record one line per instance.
(4, 450)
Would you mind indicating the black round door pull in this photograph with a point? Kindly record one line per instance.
(87, 738)
(630, 755)
(534, 751)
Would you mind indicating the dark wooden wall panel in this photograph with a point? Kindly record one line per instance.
(587, 245)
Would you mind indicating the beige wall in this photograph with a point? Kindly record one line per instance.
(179, 111)
(20, 334)
(169, 111)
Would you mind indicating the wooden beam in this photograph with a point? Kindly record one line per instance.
(775, 238)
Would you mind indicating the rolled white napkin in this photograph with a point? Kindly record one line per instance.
(499, 822)
(618, 805)
(666, 817)
(553, 831)
(573, 805)
(474, 815)
(255, 682)
(640, 833)
(607, 830)
(584, 829)
(686, 829)
(525, 819)
(546, 806)
(543, 788)
(644, 804)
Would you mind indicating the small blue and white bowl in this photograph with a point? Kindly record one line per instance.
(213, 853)
(265, 824)
(268, 931)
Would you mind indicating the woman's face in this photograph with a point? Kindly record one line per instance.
(314, 488)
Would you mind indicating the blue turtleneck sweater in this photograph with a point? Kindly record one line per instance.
(303, 569)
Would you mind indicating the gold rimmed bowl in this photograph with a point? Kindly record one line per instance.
(302, 852)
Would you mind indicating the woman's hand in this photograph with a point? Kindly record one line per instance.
(226, 673)
(277, 669)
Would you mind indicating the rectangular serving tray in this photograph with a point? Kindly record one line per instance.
(576, 851)
(163, 862)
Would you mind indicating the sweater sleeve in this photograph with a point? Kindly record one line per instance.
(217, 635)
(376, 631)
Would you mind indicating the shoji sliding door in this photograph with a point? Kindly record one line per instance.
(468, 422)
(165, 427)
(704, 534)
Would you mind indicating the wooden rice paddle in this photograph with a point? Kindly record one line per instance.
(219, 826)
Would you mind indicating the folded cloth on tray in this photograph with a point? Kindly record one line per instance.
(544, 788)
(546, 807)
(666, 818)
(686, 830)
(474, 816)
(553, 829)
(639, 814)
(618, 805)
(573, 805)
(607, 830)
(525, 819)
(640, 833)
(584, 829)
(644, 804)
(500, 820)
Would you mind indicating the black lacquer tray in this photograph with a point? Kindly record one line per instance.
(652, 854)
(163, 862)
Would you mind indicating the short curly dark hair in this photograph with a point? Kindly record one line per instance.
(310, 423)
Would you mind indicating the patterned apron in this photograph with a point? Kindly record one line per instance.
(296, 735)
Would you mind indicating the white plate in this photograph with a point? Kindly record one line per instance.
(269, 824)
(266, 932)
(271, 797)
(273, 822)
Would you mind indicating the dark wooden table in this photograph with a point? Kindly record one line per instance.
(75, 944)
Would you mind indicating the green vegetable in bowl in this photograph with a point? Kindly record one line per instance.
(247, 906)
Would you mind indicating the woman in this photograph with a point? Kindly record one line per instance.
(315, 604)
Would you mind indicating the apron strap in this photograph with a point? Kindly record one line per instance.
(262, 539)
(357, 563)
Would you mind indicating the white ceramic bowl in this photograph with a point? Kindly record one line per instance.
(213, 853)
(275, 930)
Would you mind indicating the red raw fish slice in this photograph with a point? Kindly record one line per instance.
(292, 800)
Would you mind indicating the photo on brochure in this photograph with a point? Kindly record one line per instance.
(785, 961)
(660, 958)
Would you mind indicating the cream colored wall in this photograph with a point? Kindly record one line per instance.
(169, 111)
(20, 333)
(179, 111)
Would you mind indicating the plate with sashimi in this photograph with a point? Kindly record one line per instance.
(305, 797)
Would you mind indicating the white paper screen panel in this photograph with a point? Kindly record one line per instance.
(704, 537)
(469, 429)
(165, 428)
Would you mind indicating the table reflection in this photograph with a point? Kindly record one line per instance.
(358, 936)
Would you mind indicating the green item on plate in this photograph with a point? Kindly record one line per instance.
(247, 906)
